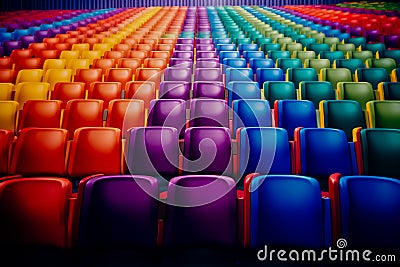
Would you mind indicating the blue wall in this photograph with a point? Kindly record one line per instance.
(6, 5)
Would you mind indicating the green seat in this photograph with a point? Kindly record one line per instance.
(317, 64)
(303, 55)
(387, 63)
(345, 48)
(361, 92)
(352, 64)
(389, 90)
(380, 150)
(318, 36)
(331, 55)
(284, 41)
(331, 41)
(373, 76)
(359, 42)
(241, 40)
(335, 75)
(274, 55)
(297, 75)
(383, 114)
(278, 90)
(316, 91)
(293, 47)
(342, 114)
(363, 55)
(286, 63)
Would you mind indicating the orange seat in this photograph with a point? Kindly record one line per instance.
(62, 36)
(72, 40)
(161, 63)
(160, 54)
(171, 41)
(125, 114)
(149, 74)
(122, 75)
(88, 76)
(164, 47)
(51, 42)
(130, 41)
(122, 47)
(138, 54)
(36, 48)
(62, 46)
(105, 91)
(52, 53)
(65, 91)
(91, 41)
(145, 40)
(82, 113)
(104, 64)
(114, 54)
(132, 63)
(40, 114)
(144, 47)
(143, 90)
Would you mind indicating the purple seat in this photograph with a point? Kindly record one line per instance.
(205, 47)
(1, 51)
(371, 35)
(178, 74)
(391, 41)
(208, 74)
(207, 63)
(27, 39)
(206, 54)
(181, 62)
(183, 47)
(40, 35)
(200, 41)
(168, 113)
(208, 90)
(207, 150)
(175, 90)
(202, 212)
(185, 41)
(118, 211)
(9, 46)
(183, 54)
(209, 112)
(153, 151)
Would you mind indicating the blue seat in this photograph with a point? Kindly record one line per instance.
(286, 211)
(256, 63)
(233, 63)
(247, 47)
(226, 47)
(369, 208)
(253, 54)
(290, 114)
(269, 74)
(228, 54)
(239, 74)
(263, 150)
(242, 90)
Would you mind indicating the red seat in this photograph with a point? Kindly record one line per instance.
(88, 76)
(66, 91)
(40, 114)
(149, 74)
(6, 138)
(105, 91)
(7, 76)
(29, 63)
(144, 90)
(125, 114)
(122, 75)
(6, 63)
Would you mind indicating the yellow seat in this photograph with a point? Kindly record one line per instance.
(8, 115)
(29, 75)
(80, 63)
(5, 91)
(68, 55)
(54, 76)
(92, 55)
(31, 91)
(103, 47)
(80, 47)
(54, 63)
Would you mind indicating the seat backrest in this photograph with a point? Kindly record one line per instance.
(269, 74)
(208, 74)
(286, 63)
(125, 114)
(336, 75)
(242, 90)
(352, 64)
(8, 115)
(53, 76)
(175, 90)
(88, 76)
(168, 113)
(34, 212)
(290, 114)
(208, 90)
(238, 74)
(316, 91)
(95, 150)
(29, 75)
(65, 91)
(40, 151)
(372, 75)
(41, 114)
(383, 114)
(256, 63)
(209, 112)
(136, 223)
(202, 212)
(297, 75)
(31, 91)
(278, 90)
(361, 92)
(207, 151)
(6, 137)
(374, 200)
(286, 211)
(144, 90)
(178, 74)
(389, 90)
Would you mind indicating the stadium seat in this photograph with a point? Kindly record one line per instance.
(238, 74)
(389, 90)
(269, 74)
(372, 75)
(334, 76)
(40, 114)
(6, 137)
(66, 91)
(208, 74)
(29, 75)
(53, 76)
(278, 90)
(149, 74)
(125, 114)
(317, 64)
(121, 75)
(383, 114)
(105, 91)
(297, 75)
(352, 64)
(104, 64)
(8, 115)
(54, 63)
(209, 112)
(88, 76)
(303, 55)
(6, 90)
(316, 91)
(387, 63)
(256, 63)
(31, 91)
(208, 90)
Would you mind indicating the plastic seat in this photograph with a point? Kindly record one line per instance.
(103, 142)
(190, 223)
(383, 114)
(40, 114)
(29, 75)
(395, 54)
(226, 47)
(132, 63)
(269, 74)
(182, 63)
(88, 76)
(239, 74)
(208, 90)
(17, 54)
(234, 63)
(54, 63)
(31, 91)
(378, 150)
(274, 214)
(205, 54)
(69, 55)
(389, 90)
(362, 55)
(29, 63)
(178, 74)
(330, 148)
(256, 63)
(101, 227)
(290, 114)
(382, 200)
(361, 92)
(42, 204)
(318, 48)
(286, 63)
(242, 90)
(317, 64)
(209, 112)
(345, 48)
(82, 113)
(8, 115)
(297, 75)
(6, 91)
(168, 113)
(138, 54)
(376, 48)
(388, 64)
(91, 55)
(80, 47)
(352, 64)
(6, 63)
(125, 114)
(175, 90)
(395, 75)
(331, 55)
(251, 113)
(274, 55)
(144, 90)
(293, 47)
(7, 76)
(6, 137)
(104, 64)
(208, 74)
(160, 63)
(303, 55)
(374, 76)
(149, 74)
(278, 90)
(121, 75)
(160, 144)
(53, 76)
(316, 91)
(75, 64)
(105, 91)
(334, 76)
(253, 54)
(207, 157)
(270, 47)
(65, 91)
(228, 54)
(33, 155)
(182, 54)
